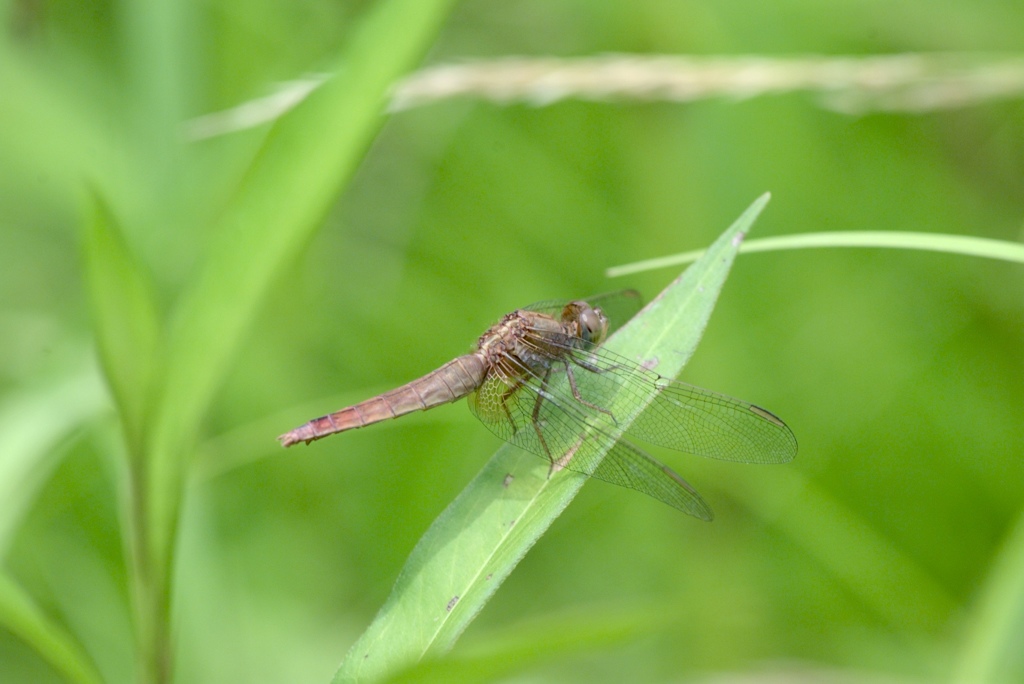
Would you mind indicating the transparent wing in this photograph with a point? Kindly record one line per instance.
(543, 417)
(680, 416)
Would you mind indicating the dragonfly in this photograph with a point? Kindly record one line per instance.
(541, 380)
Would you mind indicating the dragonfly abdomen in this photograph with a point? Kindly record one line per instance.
(450, 382)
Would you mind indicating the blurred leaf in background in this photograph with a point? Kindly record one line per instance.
(266, 288)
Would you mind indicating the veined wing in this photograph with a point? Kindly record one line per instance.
(680, 416)
(545, 418)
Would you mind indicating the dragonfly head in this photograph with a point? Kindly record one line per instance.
(591, 323)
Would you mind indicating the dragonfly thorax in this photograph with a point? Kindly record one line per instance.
(524, 343)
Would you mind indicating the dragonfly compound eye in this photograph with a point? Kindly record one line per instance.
(593, 325)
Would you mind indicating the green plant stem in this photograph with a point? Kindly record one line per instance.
(306, 159)
(930, 242)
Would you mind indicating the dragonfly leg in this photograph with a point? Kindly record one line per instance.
(576, 393)
(593, 367)
(535, 419)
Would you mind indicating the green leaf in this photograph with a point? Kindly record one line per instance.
(992, 648)
(476, 542)
(308, 157)
(530, 644)
(32, 424)
(304, 163)
(20, 615)
(124, 313)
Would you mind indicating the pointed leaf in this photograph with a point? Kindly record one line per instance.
(477, 541)
(124, 314)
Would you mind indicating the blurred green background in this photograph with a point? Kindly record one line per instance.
(891, 548)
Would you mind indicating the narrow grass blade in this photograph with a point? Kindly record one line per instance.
(477, 541)
(124, 312)
(304, 163)
(992, 648)
(32, 424)
(928, 242)
(21, 616)
(308, 157)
